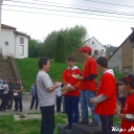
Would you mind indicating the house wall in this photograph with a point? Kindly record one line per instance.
(0, 24)
(25, 45)
(95, 45)
(115, 62)
(7, 35)
(127, 57)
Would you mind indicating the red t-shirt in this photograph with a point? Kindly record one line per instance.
(107, 87)
(90, 67)
(128, 109)
(67, 78)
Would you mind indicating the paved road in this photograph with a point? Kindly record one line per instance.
(26, 100)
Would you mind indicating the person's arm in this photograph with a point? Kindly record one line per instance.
(99, 99)
(54, 87)
(20, 90)
(90, 77)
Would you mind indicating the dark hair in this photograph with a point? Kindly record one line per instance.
(102, 61)
(89, 53)
(42, 61)
(70, 59)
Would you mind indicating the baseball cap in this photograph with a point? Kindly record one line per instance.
(129, 79)
(85, 49)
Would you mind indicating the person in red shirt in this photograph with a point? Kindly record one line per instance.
(88, 86)
(105, 100)
(127, 117)
(71, 98)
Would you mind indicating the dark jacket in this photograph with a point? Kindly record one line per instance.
(11, 87)
(18, 87)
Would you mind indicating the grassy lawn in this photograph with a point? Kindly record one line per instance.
(29, 67)
(9, 126)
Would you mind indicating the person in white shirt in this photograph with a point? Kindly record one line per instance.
(4, 85)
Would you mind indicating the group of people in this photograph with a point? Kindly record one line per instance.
(101, 98)
(10, 91)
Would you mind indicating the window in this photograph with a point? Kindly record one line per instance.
(21, 40)
(95, 52)
(21, 50)
(6, 43)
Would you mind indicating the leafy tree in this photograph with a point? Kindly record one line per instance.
(60, 53)
(32, 48)
(73, 39)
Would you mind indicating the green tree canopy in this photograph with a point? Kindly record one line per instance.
(60, 53)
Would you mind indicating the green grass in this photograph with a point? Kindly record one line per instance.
(29, 68)
(9, 126)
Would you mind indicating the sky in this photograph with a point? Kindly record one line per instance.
(109, 23)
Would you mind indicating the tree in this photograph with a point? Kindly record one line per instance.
(60, 52)
(73, 38)
(32, 48)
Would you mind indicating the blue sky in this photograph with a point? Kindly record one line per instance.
(38, 22)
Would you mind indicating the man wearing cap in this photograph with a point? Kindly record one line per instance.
(88, 86)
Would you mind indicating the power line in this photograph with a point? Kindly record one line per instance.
(91, 10)
(102, 2)
(57, 10)
(63, 15)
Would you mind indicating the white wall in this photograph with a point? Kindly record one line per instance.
(96, 46)
(0, 24)
(8, 35)
(18, 55)
(116, 60)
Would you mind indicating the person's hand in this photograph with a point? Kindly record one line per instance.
(71, 88)
(80, 78)
(121, 116)
(57, 84)
(92, 101)
(5, 88)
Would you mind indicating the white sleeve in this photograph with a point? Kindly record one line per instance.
(47, 81)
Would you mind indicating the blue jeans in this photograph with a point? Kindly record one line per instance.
(71, 109)
(85, 96)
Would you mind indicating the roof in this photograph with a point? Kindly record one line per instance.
(122, 44)
(23, 34)
(15, 31)
(95, 39)
(7, 27)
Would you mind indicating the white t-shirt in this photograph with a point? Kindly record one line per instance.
(45, 97)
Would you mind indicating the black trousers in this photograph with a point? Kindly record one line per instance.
(58, 103)
(107, 124)
(18, 103)
(47, 124)
(9, 102)
(34, 99)
(3, 103)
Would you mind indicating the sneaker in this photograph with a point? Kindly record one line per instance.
(85, 122)
(67, 127)
(93, 124)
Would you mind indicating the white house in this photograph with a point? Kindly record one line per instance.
(97, 48)
(13, 43)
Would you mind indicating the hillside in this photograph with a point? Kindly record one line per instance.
(29, 67)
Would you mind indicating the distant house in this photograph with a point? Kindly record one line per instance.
(122, 59)
(13, 43)
(97, 48)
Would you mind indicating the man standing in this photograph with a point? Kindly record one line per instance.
(88, 86)
(71, 98)
(46, 96)
(105, 100)
(33, 92)
(10, 95)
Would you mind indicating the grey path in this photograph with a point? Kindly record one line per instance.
(26, 100)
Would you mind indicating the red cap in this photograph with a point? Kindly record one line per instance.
(85, 49)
